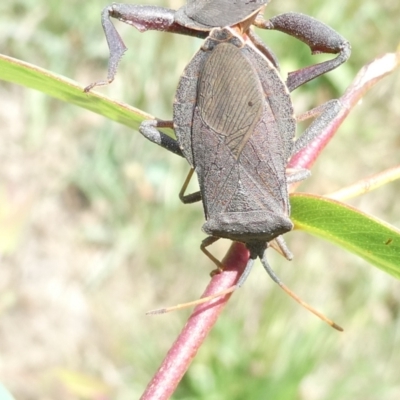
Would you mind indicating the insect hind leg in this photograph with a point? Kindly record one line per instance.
(191, 197)
(208, 241)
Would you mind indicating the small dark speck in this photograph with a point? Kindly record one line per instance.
(389, 241)
(250, 103)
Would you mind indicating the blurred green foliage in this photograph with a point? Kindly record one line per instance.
(108, 239)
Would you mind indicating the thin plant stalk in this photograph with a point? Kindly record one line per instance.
(205, 315)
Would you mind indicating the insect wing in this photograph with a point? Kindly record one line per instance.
(238, 150)
(184, 104)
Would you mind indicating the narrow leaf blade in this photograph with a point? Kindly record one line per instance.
(370, 238)
(61, 88)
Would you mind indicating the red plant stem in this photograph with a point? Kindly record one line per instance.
(197, 327)
(364, 80)
(204, 316)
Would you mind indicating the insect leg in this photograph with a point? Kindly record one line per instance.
(143, 18)
(149, 131)
(192, 197)
(324, 115)
(208, 241)
(319, 37)
(296, 175)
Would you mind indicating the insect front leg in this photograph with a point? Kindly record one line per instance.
(149, 130)
(319, 37)
(143, 18)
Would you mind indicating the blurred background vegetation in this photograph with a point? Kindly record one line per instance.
(92, 233)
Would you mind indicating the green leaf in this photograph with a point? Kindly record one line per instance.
(372, 239)
(28, 75)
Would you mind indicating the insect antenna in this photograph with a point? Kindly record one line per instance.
(202, 300)
(273, 276)
(205, 299)
(279, 245)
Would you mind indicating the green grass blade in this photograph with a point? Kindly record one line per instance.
(372, 239)
(31, 76)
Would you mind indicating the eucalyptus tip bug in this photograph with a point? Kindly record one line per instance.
(233, 116)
